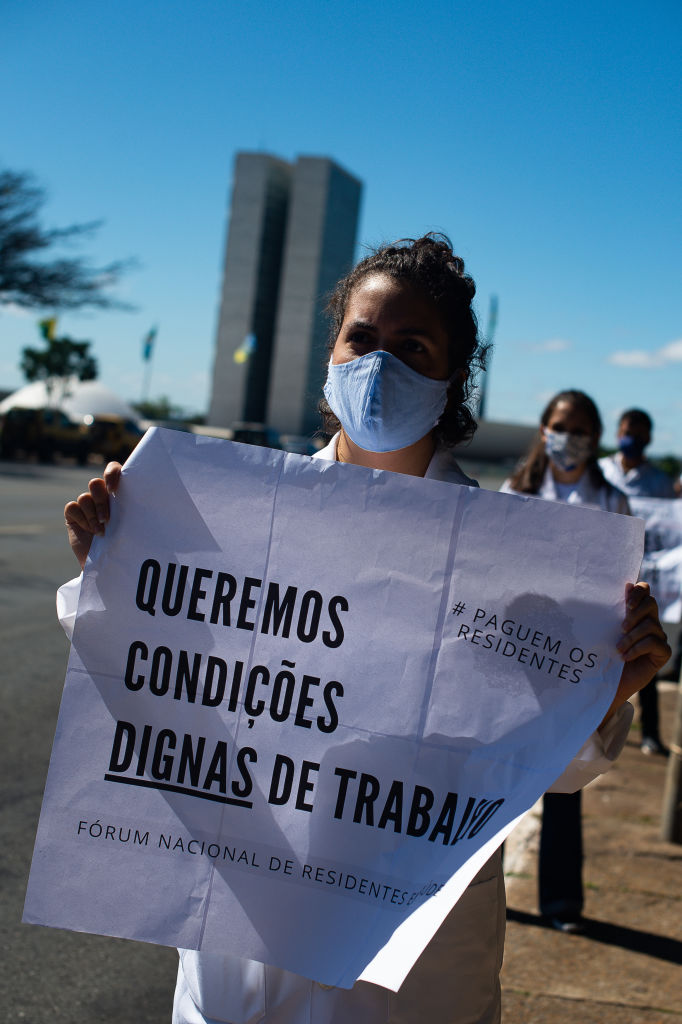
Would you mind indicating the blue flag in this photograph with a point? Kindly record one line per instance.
(148, 344)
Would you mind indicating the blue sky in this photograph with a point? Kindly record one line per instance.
(543, 138)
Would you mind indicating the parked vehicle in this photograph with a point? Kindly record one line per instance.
(255, 433)
(112, 437)
(42, 432)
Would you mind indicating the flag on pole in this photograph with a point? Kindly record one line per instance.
(246, 349)
(148, 344)
(48, 328)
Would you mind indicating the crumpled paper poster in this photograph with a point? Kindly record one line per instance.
(305, 701)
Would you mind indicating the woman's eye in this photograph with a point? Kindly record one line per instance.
(359, 338)
(412, 345)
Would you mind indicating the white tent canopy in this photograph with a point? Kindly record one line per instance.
(80, 398)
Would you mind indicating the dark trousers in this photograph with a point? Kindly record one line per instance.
(560, 878)
(648, 707)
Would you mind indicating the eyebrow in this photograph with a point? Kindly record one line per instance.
(369, 326)
(361, 323)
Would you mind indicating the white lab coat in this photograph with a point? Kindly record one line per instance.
(456, 979)
(583, 492)
(643, 481)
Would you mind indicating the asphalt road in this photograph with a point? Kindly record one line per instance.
(50, 975)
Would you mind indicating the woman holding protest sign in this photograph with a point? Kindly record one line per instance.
(562, 466)
(404, 342)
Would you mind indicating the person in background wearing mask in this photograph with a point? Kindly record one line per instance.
(403, 344)
(562, 466)
(630, 471)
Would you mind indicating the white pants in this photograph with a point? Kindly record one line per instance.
(455, 981)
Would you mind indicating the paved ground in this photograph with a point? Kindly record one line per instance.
(50, 976)
(627, 968)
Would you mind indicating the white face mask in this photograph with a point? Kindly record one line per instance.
(567, 451)
(382, 404)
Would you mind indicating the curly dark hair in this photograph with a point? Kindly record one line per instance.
(429, 264)
(529, 474)
(637, 418)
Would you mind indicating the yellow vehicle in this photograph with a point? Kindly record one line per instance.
(112, 437)
(44, 433)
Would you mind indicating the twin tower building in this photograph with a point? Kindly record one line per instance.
(291, 236)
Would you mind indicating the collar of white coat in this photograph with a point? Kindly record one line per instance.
(441, 467)
(583, 491)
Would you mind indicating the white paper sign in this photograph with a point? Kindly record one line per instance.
(304, 697)
(662, 562)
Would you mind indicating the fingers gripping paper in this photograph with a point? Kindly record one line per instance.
(305, 701)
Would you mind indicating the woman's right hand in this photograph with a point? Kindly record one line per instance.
(89, 513)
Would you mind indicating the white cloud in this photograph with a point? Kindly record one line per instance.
(12, 309)
(647, 360)
(672, 352)
(634, 357)
(552, 345)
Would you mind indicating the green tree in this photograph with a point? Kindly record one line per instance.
(28, 277)
(670, 464)
(160, 408)
(60, 360)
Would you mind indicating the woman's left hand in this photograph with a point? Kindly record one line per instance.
(644, 646)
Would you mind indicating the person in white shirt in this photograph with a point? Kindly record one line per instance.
(628, 469)
(562, 466)
(404, 341)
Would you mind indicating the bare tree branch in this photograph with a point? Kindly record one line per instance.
(30, 282)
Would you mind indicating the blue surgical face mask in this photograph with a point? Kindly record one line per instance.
(567, 451)
(631, 447)
(382, 404)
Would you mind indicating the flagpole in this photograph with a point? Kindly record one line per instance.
(490, 334)
(146, 379)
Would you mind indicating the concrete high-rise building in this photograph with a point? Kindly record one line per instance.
(251, 276)
(319, 247)
(291, 236)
